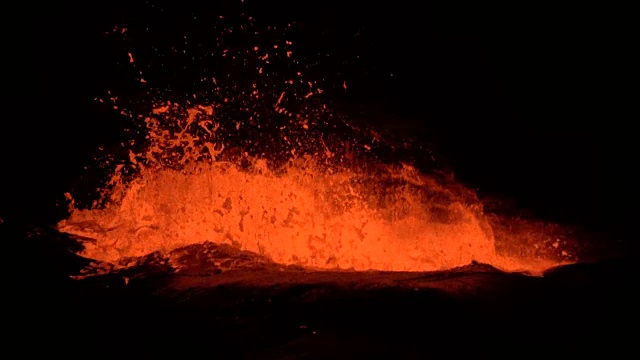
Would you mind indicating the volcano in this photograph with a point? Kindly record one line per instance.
(288, 181)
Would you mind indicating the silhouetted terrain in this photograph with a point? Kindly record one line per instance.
(256, 309)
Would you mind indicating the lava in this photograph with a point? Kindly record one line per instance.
(268, 169)
(311, 211)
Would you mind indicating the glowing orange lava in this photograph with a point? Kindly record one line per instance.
(309, 211)
(269, 170)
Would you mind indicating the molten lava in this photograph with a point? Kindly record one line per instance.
(262, 173)
(310, 211)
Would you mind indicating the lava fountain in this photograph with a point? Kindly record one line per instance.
(311, 210)
(283, 182)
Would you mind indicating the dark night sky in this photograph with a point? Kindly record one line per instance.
(524, 100)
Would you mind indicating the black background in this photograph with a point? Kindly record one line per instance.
(524, 100)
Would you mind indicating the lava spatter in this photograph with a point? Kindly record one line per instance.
(259, 162)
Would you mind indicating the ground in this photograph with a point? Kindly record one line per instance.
(214, 301)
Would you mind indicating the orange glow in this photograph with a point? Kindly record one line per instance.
(308, 212)
(324, 201)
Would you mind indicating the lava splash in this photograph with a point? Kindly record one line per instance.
(310, 211)
(267, 168)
